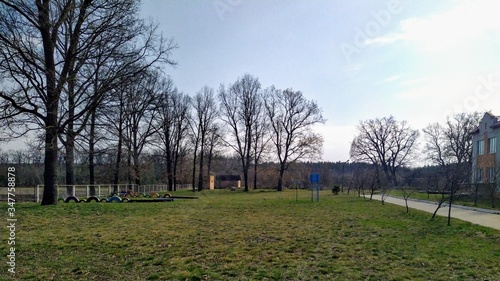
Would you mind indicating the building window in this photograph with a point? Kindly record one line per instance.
(479, 175)
(480, 147)
(492, 174)
(492, 144)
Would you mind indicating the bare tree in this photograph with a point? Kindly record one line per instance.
(238, 110)
(114, 114)
(28, 43)
(409, 179)
(359, 180)
(386, 143)
(437, 185)
(291, 117)
(261, 138)
(166, 116)
(450, 147)
(43, 46)
(214, 141)
(114, 64)
(140, 117)
(205, 114)
(174, 114)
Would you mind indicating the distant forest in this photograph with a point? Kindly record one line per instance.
(29, 171)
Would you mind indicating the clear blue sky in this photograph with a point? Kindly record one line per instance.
(416, 60)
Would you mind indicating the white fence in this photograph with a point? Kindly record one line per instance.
(21, 194)
(34, 194)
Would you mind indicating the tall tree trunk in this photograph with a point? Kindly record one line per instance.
(50, 162)
(280, 178)
(116, 178)
(174, 166)
(200, 172)
(91, 153)
(452, 194)
(174, 177)
(52, 105)
(170, 176)
(129, 166)
(175, 161)
(137, 172)
(255, 172)
(194, 166)
(209, 164)
(70, 141)
(70, 162)
(169, 159)
(394, 178)
(246, 163)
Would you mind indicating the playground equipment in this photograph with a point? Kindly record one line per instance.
(72, 198)
(92, 198)
(118, 199)
(100, 190)
(126, 196)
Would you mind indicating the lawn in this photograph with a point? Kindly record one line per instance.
(246, 236)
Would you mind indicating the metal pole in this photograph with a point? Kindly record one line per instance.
(296, 192)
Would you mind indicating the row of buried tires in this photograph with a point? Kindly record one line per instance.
(113, 198)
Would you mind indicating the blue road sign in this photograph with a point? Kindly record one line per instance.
(314, 178)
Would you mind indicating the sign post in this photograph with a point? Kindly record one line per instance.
(314, 179)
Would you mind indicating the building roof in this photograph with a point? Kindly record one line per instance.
(476, 131)
(496, 122)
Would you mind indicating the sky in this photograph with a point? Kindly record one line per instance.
(418, 61)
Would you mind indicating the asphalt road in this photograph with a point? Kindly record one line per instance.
(484, 217)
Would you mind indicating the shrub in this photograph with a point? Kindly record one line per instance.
(335, 189)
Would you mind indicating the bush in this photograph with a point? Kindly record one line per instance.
(335, 189)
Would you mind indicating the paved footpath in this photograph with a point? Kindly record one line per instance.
(484, 217)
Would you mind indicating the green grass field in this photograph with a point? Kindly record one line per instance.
(246, 236)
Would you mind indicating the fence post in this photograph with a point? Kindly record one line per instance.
(99, 190)
(37, 192)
